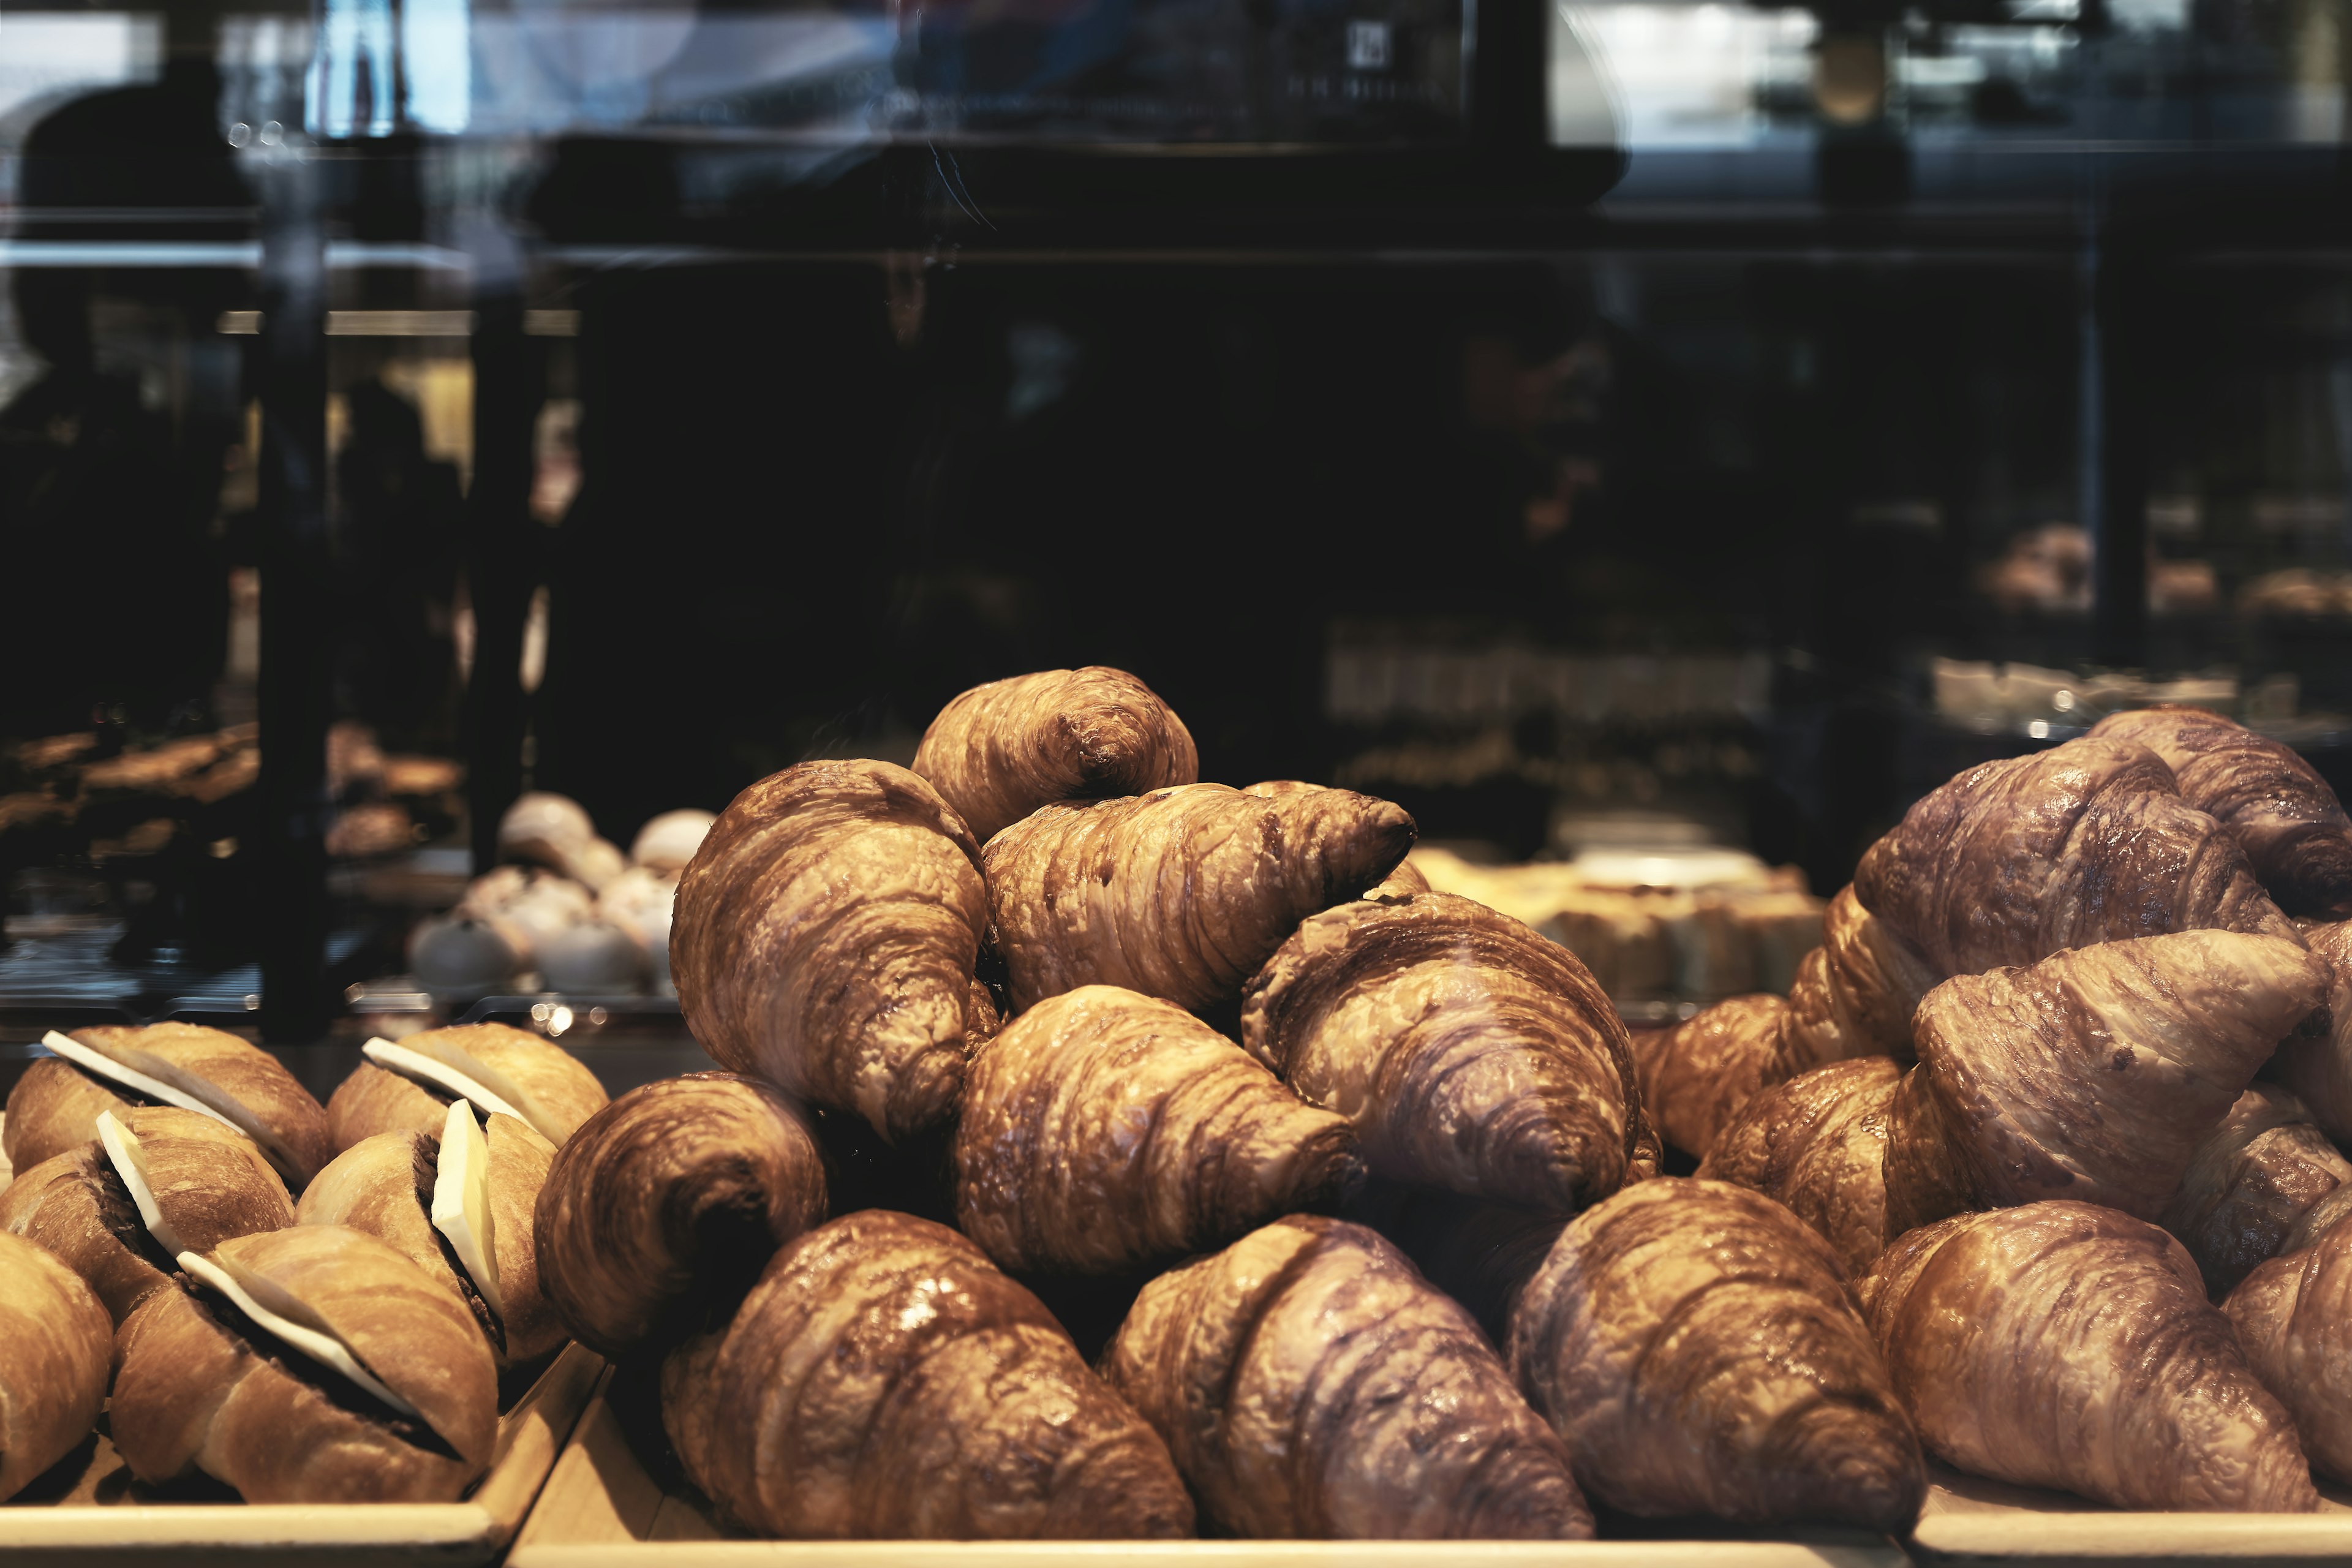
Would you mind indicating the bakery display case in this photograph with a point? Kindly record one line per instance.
(1175, 778)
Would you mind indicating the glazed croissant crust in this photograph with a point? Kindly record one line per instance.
(2061, 1344)
(555, 1089)
(1181, 893)
(1473, 1054)
(1001, 751)
(2315, 1061)
(2250, 1184)
(669, 1201)
(1310, 1383)
(1695, 1344)
(1695, 1075)
(2292, 1315)
(1102, 1129)
(825, 936)
(54, 1340)
(883, 1380)
(1817, 1144)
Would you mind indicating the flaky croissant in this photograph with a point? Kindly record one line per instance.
(1102, 1129)
(2292, 1314)
(209, 1182)
(1817, 1144)
(669, 1201)
(2315, 1061)
(1472, 1053)
(2093, 1074)
(824, 936)
(2062, 1344)
(2275, 805)
(1405, 878)
(54, 1341)
(1181, 893)
(200, 1386)
(1695, 1075)
(2250, 1183)
(1310, 1383)
(1695, 1344)
(54, 1105)
(1855, 994)
(998, 752)
(884, 1380)
(551, 1089)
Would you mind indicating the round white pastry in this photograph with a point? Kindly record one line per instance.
(668, 841)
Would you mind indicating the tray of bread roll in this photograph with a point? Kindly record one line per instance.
(1104, 1156)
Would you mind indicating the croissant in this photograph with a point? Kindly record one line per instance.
(2250, 1183)
(1310, 1383)
(1001, 751)
(2292, 1315)
(1855, 994)
(824, 936)
(1817, 1144)
(2087, 842)
(385, 1186)
(1472, 1054)
(670, 1200)
(2062, 1344)
(1181, 893)
(2275, 805)
(200, 1383)
(1103, 1129)
(1693, 1344)
(2315, 1061)
(883, 1380)
(210, 1184)
(2093, 1074)
(54, 1341)
(1695, 1075)
(543, 1084)
(1405, 878)
(53, 1106)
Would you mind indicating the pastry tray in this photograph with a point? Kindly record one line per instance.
(1971, 1521)
(85, 1511)
(602, 1509)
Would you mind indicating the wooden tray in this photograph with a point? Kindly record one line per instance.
(602, 1508)
(100, 1518)
(1968, 1520)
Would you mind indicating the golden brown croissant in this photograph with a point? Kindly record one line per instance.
(54, 1341)
(2093, 1074)
(53, 1106)
(1103, 1129)
(1181, 893)
(386, 1186)
(2292, 1314)
(824, 938)
(1310, 1383)
(2087, 842)
(1472, 1054)
(1695, 1344)
(201, 1384)
(2275, 805)
(2066, 1345)
(2250, 1183)
(543, 1084)
(1405, 878)
(2315, 1061)
(883, 1380)
(1001, 751)
(1817, 1144)
(209, 1182)
(1695, 1075)
(671, 1199)
(1855, 994)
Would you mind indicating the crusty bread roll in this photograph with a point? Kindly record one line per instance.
(552, 1089)
(210, 1184)
(199, 1387)
(383, 1185)
(54, 1339)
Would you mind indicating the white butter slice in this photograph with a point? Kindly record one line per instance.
(129, 1162)
(131, 1078)
(211, 1097)
(416, 1064)
(295, 1324)
(461, 1201)
(526, 1105)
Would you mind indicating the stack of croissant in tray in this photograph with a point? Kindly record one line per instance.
(301, 1303)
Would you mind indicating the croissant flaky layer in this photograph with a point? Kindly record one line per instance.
(2087, 842)
(998, 752)
(1693, 1344)
(2093, 1074)
(1855, 994)
(670, 1200)
(1472, 1053)
(2282, 812)
(824, 936)
(2062, 1344)
(1181, 893)
(1310, 1383)
(2315, 1061)
(1695, 1075)
(1102, 1129)
(54, 1340)
(1817, 1144)
(2292, 1315)
(883, 1380)
(2251, 1183)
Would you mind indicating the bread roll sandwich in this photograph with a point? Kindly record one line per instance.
(408, 1086)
